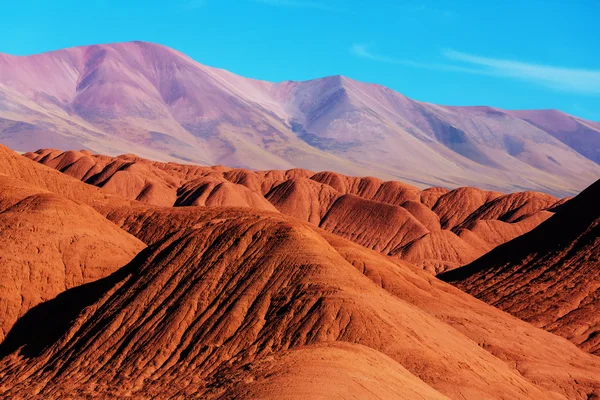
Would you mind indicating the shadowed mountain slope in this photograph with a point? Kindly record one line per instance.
(236, 302)
(150, 100)
(549, 276)
(49, 244)
(52, 240)
(229, 294)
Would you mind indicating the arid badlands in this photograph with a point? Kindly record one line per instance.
(170, 230)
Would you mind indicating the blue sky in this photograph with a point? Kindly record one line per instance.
(510, 54)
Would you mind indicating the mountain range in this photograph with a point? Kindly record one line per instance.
(153, 101)
(207, 289)
(437, 229)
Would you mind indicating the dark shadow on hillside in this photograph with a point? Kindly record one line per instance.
(564, 230)
(47, 322)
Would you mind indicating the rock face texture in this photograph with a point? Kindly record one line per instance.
(437, 229)
(232, 294)
(243, 302)
(550, 276)
(153, 101)
(49, 244)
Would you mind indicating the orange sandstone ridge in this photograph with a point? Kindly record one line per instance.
(435, 228)
(550, 276)
(243, 302)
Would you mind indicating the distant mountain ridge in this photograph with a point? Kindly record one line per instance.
(153, 101)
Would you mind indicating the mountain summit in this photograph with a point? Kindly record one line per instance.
(150, 100)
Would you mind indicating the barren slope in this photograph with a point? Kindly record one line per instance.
(51, 239)
(49, 244)
(436, 229)
(326, 371)
(550, 276)
(241, 301)
(150, 100)
(230, 292)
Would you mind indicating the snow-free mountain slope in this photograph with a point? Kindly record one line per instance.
(228, 291)
(579, 134)
(153, 101)
(49, 243)
(240, 302)
(549, 276)
(385, 216)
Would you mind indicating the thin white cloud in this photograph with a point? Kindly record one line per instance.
(362, 50)
(562, 78)
(298, 4)
(583, 81)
